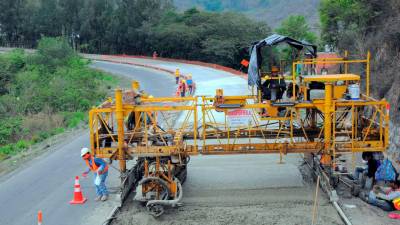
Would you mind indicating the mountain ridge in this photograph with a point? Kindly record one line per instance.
(273, 12)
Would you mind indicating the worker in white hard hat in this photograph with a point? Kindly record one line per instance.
(99, 168)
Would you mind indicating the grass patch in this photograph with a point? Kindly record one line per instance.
(73, 119)
(45, 93)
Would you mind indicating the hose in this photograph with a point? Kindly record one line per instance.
(341, 213)
(334, 202)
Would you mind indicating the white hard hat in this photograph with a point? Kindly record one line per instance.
(84, 151)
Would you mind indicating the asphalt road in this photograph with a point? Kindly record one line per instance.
(46, 183)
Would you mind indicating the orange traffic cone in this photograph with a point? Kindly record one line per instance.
(40, 217)
(78, 195)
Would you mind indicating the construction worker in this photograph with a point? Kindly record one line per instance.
(274, 86)
(189, 82)
(99, 168)
(386, 198)
(182, 87)
(177, 75)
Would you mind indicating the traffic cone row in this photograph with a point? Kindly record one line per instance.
(78, 195)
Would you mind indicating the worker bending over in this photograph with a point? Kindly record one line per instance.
(387, 199)
(177, 75)
(99, 168)
(274, 86)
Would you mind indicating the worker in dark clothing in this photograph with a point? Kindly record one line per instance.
(369, 171)
(372, 164)
(274, 86)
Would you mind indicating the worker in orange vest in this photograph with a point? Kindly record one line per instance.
(177, 75)
(99, 168)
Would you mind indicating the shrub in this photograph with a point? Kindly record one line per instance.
(9, 129)
(22, 144)
(53, 52)
(6, 149)
(44, 93)
(73, 119)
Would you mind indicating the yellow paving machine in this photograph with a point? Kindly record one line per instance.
(323, 115)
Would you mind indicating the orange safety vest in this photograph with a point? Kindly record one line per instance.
(94, 167)
(396, 203)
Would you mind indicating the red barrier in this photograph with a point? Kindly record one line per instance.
(199, 63)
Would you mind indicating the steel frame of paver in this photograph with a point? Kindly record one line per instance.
(295, 126)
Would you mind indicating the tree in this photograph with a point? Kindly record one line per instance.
(344, 16)
(297, 28)
(96, 16)
(222, 38)
(70, 14)
(47, 19)
(12, 19)
(136, 27)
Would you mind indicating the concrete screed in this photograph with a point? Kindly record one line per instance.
(239, 189)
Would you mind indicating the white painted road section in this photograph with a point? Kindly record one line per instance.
(46, 183)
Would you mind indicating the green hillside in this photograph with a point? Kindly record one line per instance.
(270, 11)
